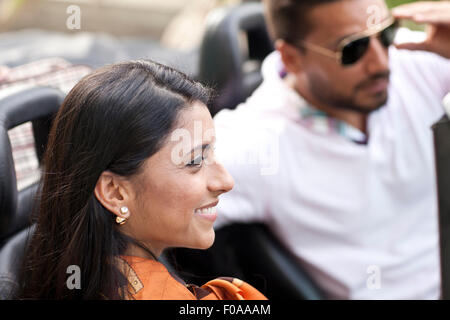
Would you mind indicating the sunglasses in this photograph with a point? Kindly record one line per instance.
(353, 48)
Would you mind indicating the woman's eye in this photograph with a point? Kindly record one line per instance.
(197, 162)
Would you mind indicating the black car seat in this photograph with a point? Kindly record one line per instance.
(233, 47)
(37, 105)
(441, 131)
(250, 252)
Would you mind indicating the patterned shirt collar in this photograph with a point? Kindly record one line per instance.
(320, 122)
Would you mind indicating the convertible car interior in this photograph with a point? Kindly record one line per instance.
(233, 48)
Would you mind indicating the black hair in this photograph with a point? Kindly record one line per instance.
(288, 19)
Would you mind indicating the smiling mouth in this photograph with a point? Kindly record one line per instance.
(208, 210)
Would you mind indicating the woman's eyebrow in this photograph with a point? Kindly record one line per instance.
(202, 147)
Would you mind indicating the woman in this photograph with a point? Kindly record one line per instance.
(129, 171)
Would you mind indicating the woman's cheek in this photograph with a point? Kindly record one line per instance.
(195, 191)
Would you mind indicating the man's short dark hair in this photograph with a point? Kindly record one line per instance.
(288, 19)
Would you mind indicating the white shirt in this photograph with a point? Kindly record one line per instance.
(362, 219)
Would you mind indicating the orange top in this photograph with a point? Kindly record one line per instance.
(150, 280)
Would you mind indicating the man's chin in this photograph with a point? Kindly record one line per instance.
(376, 103)
(380, 101)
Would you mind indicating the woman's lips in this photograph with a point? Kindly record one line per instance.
(208, 212)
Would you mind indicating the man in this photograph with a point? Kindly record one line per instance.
(334, 149)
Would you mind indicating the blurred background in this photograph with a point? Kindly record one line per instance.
(108, 31)
(168, 31)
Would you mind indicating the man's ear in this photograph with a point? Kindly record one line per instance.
(290, 55)
(113, 193)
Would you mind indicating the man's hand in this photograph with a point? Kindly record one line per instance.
(437, 17)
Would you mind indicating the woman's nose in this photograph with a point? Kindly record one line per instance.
(221, 181)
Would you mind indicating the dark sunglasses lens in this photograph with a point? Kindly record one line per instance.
(354, 50)
(387, 35)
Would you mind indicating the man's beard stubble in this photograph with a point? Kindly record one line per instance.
(335, 100)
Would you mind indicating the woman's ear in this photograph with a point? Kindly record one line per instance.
(113, 193)
(290, 55)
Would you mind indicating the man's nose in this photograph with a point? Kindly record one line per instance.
(377, 57)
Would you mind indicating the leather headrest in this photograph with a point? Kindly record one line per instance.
(227, 63)
(35, 104)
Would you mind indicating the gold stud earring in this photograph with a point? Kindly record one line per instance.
(120, 220)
